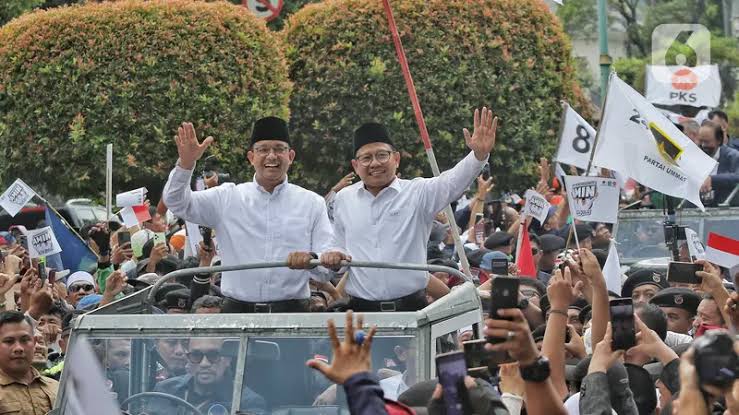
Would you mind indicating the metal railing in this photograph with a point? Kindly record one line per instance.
(150, 299)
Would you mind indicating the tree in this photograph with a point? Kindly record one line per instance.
(508, 54)
(74, 79)
(10, 9)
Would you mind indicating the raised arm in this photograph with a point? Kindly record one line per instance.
(198, 207)
(449, 186)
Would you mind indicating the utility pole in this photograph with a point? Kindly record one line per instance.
(605, 59)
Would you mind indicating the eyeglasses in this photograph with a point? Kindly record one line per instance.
(83, 287)
(535, 251)
(196, 356)
(530, 293)
(264, 151)
(382, 157)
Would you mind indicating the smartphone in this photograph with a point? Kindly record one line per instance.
(451, 370)
(41, 268)
(124, 237)
(160, 238)
(475, 355)
(23, 241)
(622, 323)
(503, 294)
(684, 272)
(207, 235)
(499, 266)
(52, 276)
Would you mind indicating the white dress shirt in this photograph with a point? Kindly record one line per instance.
(394, 226)
(253, 225)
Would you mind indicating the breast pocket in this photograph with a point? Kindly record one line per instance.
(296, 232)
(10, 408)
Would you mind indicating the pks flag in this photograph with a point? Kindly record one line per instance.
(593, 199)
(722, 250)
(697, 86)
(525, 260)
(636, 140)
(75, 255)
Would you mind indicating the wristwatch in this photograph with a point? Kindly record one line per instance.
(537, 371)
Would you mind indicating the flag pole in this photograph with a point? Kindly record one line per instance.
(520, 234)
(600, 126)
(459, 248)
(108, 181)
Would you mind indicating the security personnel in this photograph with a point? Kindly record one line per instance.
(267, 219)
(644, 284)
(680, 305)
(387, 219)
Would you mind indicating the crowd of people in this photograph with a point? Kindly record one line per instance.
(559, 337)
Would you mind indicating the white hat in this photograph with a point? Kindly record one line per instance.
(80, 276)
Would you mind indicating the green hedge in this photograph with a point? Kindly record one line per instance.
(508, 54)
(76, 78)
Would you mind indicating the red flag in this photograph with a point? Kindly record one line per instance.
(525, 260)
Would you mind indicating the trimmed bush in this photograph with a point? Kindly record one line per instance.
(76, 78)
(508, 54)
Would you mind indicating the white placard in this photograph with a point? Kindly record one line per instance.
(695, 246)
(536, 206)
(42, 242)
(193, 237)
(134, 197)
(16, 196)
(593, 199)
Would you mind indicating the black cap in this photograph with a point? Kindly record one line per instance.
(643, 277)
(370, 132)
(551, 243)
(166, 289)
(579, 304)
(475, 257)
(270, 128)
(177, 299)
(498, 239)
(677, 297)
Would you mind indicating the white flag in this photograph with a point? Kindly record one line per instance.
(536, 206)
(698, 86)
(695, 246)
(134, 197)
(612, 270)
(16, 196)
(88, 394)
(593, 199)
(42, 242)
(576, 140)
(636, 140)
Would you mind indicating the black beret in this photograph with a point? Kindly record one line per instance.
(166, 289)
(475, 257)
(497, 239)
(370, 132)
(551, 243)
(270, 128)
(643, 277)
(177, 299)
(677, 297)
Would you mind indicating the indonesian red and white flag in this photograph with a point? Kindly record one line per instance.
(722, 250)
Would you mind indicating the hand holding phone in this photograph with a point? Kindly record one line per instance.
(503, 294)
(684, 272)
(124, 237)
(41, 268)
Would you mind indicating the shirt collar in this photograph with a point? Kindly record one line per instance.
(717, 154)
(6, 380)
(395, 185)
(277, 190)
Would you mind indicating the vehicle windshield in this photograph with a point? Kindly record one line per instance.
(205, 371)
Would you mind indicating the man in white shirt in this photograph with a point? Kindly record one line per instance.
(267, 219)
(387, 219)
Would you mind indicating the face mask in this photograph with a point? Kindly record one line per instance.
(703, 328)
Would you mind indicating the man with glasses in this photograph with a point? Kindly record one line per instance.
(79, 285)
(209, 384)
(388, 219)
(267, 219)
